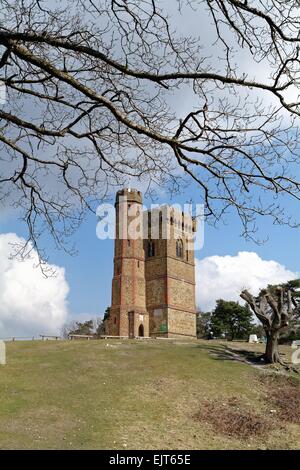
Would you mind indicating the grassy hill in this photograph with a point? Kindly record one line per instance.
(142, 395)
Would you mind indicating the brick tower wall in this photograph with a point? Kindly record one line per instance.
(128, 310)
(156, 289)
(170, 281)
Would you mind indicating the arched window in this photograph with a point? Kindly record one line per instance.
(179, 248)
(151, 248)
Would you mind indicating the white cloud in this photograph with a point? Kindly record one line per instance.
(30, 304)
(225, 276)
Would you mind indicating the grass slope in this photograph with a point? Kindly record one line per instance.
(140, 395)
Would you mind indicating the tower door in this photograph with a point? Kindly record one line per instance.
(141, 330)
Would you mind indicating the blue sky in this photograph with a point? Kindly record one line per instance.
(89, 273)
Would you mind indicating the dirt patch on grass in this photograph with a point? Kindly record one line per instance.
(232, 418)
(283, 394)
(279, 406)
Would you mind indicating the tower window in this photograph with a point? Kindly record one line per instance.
(187, 255)
(179, 248)
(160, 224)
(128, 242)
(115, 320)
(118, 267)
(151, 248)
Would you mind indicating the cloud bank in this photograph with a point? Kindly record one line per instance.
(30, 304)
(225, 276)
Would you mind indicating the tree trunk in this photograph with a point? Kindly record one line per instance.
(272, 353)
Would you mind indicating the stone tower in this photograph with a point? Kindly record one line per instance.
(153, 287)
(128, 315)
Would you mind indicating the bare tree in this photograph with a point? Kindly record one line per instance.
(91, 87)
(275, 307)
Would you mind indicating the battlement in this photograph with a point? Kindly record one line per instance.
(132, 195)
(167, 215)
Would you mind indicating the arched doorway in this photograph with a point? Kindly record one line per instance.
(141, 330)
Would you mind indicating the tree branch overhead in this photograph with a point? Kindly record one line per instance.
(91, 101)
